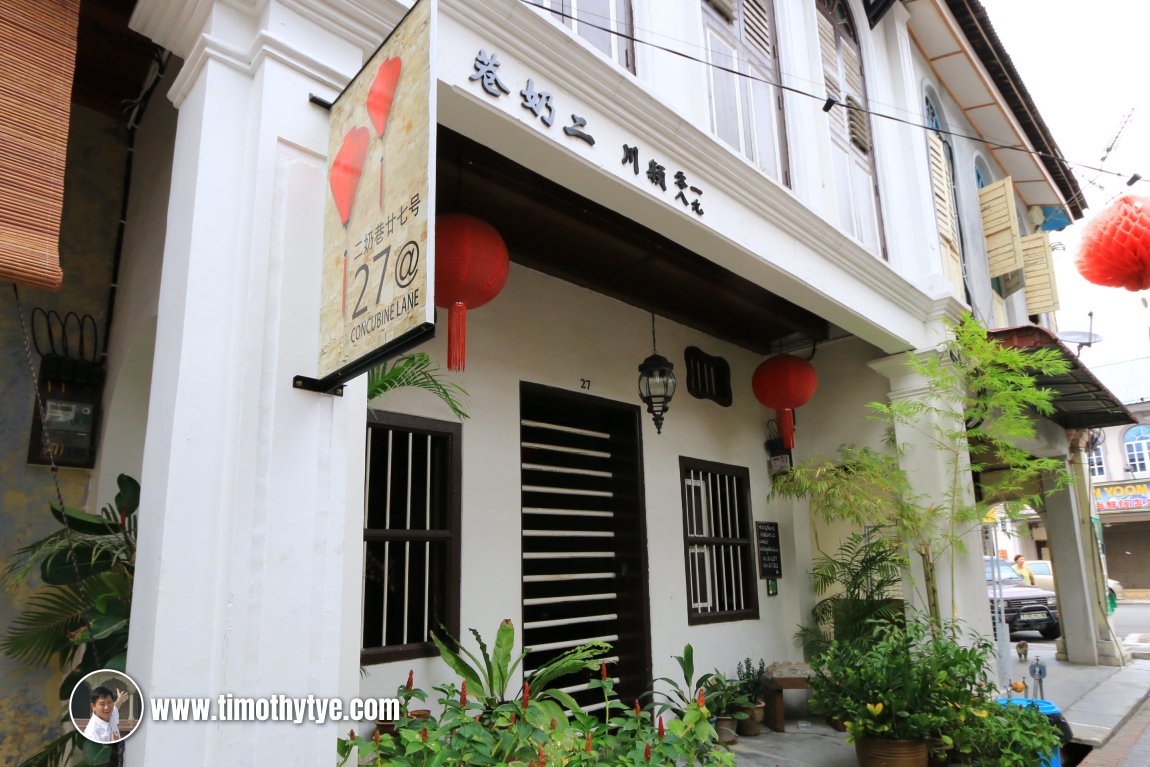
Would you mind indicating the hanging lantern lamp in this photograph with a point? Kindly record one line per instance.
(656, 382)
(785, 382)
(471, 266)
(1115, 248)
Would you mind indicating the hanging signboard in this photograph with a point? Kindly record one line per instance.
(1121, 496)
(379, 222)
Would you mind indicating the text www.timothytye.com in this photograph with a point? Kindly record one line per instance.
(275, 708)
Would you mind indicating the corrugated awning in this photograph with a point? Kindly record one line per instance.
(1081, 400)
(37, 57)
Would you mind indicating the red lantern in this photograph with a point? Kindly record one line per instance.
(1116, 246)
(784, 383)
(471, 267)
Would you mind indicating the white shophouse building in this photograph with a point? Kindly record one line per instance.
(778, 222)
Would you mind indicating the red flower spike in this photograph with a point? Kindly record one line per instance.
(1115, 249)
(701, 698)
(351, 734)
(346, 170)
(463, 695)
(662, 731)
(638, 711)
(554, 723)
(514, 717)
(647, 753)
(526, 694)
(410, 679)
(542, 757)
(423, 734)
(603, 671)
(382, 93)
(587, 747)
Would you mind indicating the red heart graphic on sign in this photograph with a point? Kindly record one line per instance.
(346, 170)
(382, 92)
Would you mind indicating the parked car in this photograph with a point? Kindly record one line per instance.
(1044, 578)
(1027, 608)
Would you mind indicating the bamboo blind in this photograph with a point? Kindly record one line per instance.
(37, 57)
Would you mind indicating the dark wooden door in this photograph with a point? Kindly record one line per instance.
(584, 538)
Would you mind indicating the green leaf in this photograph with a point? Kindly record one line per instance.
(58, 569)
(96, 754)
(104, 626)
(458, 665)
(501, 656)
(82, 522)
(128, 499)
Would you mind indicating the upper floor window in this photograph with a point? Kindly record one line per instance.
(852, 149)
(945, 194)
(606, 24)
(1137, 443)
(1097, 467)
(410, 535)
(746, 106)
(718, 538)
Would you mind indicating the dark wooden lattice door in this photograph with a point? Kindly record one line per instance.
(584, 540)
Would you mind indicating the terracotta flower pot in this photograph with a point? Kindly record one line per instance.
(725, 727)
(753, 724)
(878, 752)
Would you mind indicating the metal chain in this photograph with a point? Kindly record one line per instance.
(56, 480)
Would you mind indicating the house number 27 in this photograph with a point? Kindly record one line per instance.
(584, 383)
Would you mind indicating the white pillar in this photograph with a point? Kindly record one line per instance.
(247, 577)
(961, 580)
(1087, 634)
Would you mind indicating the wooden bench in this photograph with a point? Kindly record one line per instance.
(779, 677)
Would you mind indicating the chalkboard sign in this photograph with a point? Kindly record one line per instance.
(770, 553)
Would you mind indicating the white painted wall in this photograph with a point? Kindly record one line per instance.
(547, 331)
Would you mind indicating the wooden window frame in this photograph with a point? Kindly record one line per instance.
(452, 433)
(749, 573)
(727, 22)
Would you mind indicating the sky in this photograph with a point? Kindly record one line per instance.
(1085, 67)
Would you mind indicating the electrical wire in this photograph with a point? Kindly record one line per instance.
(829, 103)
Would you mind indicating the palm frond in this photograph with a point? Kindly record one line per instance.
(40, 633)
(416, 371)
(55, 753)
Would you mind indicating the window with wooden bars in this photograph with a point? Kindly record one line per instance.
(853, 166)
(410, 535)
(746, 104)
(718, 542)
(606, 24)
(1136, 442)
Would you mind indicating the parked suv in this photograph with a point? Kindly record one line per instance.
(1027, 608)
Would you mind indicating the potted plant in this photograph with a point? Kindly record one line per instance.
(863, 576)
(976, 409)
(751, 684)
(1006, 735)
(912, 682)
(727, 701)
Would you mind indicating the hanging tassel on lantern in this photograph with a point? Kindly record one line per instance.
(471, 266)
(786, 418)
(457, 336)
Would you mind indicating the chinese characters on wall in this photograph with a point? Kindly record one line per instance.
(542, 106)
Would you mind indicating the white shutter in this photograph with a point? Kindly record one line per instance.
(831, 76)
(940, 184)
(1000, 227)
(1038, 266)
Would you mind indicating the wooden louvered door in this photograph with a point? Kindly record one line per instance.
(584, 542)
